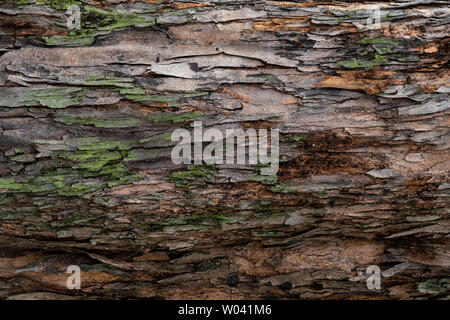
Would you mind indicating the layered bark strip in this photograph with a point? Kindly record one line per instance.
(361, 102)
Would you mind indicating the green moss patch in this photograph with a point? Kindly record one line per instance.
(196, 173)
(55, 98)
(94, 22)
(382, 50)
(80, 166)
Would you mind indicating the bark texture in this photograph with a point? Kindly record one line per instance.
(86, 176)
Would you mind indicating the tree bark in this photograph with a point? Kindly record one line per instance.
(86, 176)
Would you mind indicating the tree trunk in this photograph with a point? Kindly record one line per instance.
(86, 176)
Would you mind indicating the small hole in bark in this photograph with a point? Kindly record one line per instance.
(286, 285)
(316, 286)
(232, 279)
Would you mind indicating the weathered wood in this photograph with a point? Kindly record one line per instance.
(86, 176)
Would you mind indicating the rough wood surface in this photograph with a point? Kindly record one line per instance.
(86, 176)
